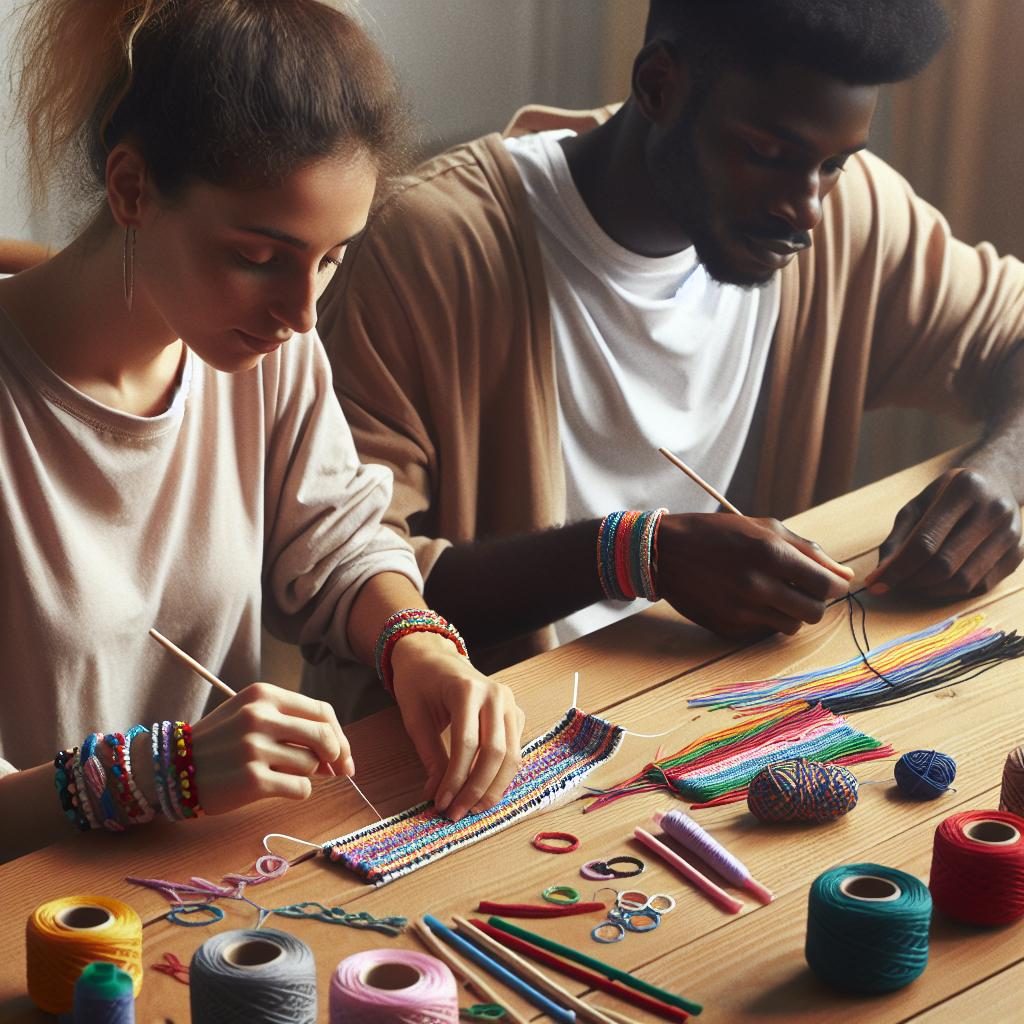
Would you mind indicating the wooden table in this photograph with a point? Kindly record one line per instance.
(638, 673)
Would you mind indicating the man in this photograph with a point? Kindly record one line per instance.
(528, 319)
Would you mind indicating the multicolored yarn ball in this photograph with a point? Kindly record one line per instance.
(802, 790)
(924, 774)
(1011, 796)
(867, 928)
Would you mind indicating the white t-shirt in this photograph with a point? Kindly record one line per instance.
(243, 501)
(649, 352)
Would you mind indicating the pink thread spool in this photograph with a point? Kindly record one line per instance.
(685, 831)
(393, 986)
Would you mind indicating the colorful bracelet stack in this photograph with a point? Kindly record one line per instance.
(627, 554)
(96, 787)
(410, 620)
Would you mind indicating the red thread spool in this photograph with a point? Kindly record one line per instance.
(978, 867)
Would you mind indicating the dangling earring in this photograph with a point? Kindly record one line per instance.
(128, 267)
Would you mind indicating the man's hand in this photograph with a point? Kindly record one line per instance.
(959, 537)
(744, 578)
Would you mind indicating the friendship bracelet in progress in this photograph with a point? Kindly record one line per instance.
(552, 764)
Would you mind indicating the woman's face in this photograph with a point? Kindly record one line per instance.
(234, 272)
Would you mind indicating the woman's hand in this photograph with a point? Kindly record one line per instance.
(265, 742)
(435, 688)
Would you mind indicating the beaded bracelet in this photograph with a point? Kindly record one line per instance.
(67, 789)
(84, 802)
(401, 623)
(95, 775)
(627, 553)
(185, 770)
(171, 787)
(135, 806)
(159, 775)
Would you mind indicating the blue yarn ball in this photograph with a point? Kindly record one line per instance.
(924, 774)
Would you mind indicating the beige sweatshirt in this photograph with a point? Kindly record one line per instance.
(244, 500)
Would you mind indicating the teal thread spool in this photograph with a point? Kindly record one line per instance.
(867, 928)
(104, 994)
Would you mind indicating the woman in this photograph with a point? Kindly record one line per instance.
(171, 451)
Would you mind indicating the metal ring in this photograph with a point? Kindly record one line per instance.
(608, 931)
(195, 908)
(552, 893)
(542, 839)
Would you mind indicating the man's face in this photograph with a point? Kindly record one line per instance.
(744, 170)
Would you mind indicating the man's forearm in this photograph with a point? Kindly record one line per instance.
(494, 590)
(1000, 449)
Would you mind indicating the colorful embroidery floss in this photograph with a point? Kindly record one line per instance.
(801, 790)
(924, 774)
(253, 977)
(63, 936)
(867, 928)
(1011, 795)
(978, 867)
(717, 768)
(942, 655)
(393, 986)
(552, 765)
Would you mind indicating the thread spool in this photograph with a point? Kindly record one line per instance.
(978, 867)
(393, 986)
(802, 790)
(64, 936)
(104, 994)
(1011, 796)
(867, 928)
(924, 774)
(253, 977)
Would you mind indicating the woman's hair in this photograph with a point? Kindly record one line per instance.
(223, 91)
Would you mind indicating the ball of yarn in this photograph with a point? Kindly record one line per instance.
(393, 986)
(978, 867)
(802, 790)
(1011, 796)
(867, 928)
(64, 936)
(253, 977)
(924, 774)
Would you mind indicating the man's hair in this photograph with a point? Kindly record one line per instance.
(862, 42)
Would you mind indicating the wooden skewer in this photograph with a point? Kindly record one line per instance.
(219, 684)
(461, 970)
(534, 974)
(701, 482)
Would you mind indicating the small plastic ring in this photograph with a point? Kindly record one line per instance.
(597, 870)
(662, 903)
(561, 895)
(609, 865)
(542, 840)
(652, 916)
(632, 899)
(608, 931)
(186, 909)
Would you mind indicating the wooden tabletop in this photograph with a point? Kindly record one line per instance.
(639, 674)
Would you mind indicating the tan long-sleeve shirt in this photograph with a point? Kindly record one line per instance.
(244, 500)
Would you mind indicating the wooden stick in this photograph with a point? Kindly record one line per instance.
(219, 684)
(538, 977)
(461, 970)
(701, 482)
(200, 670)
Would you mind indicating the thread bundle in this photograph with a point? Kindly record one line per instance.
(393, 986)
(1011, 795)
(253, 977)
(978, 867)
(802, 790)
(64, 936)
(867, 928)
(924, 774)
(717, 768)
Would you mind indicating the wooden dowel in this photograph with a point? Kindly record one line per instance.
(701, 482)
(462, 971)
(187, 659)
(538, 977)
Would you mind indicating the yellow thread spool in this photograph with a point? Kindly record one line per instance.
(64, 935)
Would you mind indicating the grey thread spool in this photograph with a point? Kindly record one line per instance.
(253, 977)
